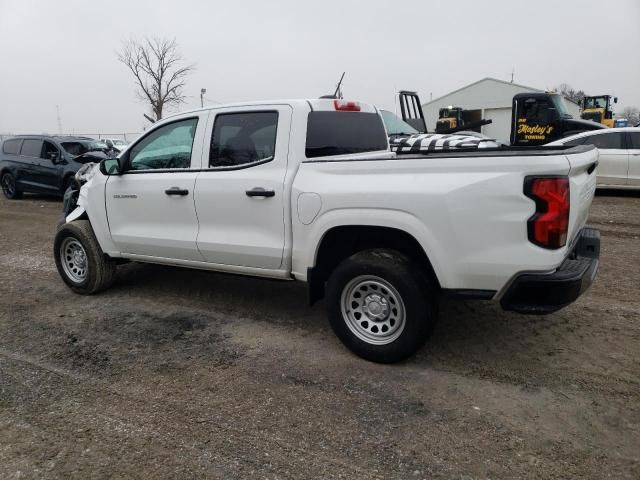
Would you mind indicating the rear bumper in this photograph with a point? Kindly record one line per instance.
(536, 293)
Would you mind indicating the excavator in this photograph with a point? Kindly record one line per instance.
(599, 109)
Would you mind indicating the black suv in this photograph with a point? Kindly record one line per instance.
(44, 164)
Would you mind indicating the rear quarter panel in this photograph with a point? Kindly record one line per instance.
(469, 214)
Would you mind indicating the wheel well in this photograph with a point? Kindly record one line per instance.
(340, 243)
(65, 180)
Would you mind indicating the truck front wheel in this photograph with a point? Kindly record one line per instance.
(80, 260)
(381, 305)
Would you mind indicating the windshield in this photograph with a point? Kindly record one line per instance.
(449, 112)
(560, 105)
(395, 126)
(79, 147)
(595, 102)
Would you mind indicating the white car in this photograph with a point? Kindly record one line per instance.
(309, 190)
(115, 143)
(619, 165)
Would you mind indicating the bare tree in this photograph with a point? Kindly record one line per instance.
(632, 114)
(159, 71)
(569, 92)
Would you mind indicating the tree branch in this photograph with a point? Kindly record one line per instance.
(156, 66)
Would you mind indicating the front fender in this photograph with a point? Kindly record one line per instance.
(75, 214)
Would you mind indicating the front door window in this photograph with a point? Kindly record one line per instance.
(168, 147)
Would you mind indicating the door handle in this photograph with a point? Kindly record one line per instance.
(177, 191)
(260, 192)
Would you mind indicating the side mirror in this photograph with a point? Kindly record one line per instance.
(615, 99)
(110, 166)
(54, 156)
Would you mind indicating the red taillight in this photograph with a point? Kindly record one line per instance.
(345, 106)
(549, 226)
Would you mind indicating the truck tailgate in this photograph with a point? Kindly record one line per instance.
(582, 178)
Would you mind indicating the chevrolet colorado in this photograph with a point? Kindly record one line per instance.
(309, 190)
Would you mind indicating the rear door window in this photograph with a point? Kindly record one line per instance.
(634, 140)
(243, 138)
(11, 146)
(31, 148)
(340, 133)
(605, 140)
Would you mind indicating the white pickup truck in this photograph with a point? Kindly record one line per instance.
(309, 190)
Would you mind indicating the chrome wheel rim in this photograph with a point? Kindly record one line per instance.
(74, 260)
(7, 186)
(373, 310)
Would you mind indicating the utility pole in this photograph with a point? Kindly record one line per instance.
(202, 92)
(513, 71)
(59, 119)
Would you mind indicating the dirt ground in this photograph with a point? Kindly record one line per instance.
(186, 374)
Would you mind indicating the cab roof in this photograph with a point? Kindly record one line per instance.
(315, 104)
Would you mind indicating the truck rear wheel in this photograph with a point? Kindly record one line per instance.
(80, 261)
(381, 305)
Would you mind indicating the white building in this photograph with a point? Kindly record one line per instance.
(488, 98)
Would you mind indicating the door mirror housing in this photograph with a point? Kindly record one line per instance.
(110, 166)
(54, 157)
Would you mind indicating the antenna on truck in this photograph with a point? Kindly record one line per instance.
(338, 92)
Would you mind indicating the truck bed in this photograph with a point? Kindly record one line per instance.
(505, 151)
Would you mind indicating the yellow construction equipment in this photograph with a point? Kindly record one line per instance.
(449, 118)
(599, 109)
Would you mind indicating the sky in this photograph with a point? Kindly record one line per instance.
(61, 55)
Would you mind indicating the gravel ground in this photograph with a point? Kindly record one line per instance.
(188, 374)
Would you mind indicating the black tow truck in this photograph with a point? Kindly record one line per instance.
(539, 118)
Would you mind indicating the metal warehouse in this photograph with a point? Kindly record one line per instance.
(488, 98)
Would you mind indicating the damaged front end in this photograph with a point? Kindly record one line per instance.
(72, 195)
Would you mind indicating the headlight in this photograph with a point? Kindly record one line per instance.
(85, 173)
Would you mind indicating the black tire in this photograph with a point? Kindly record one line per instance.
(100, 269)
(417, 299)
(9, 188)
